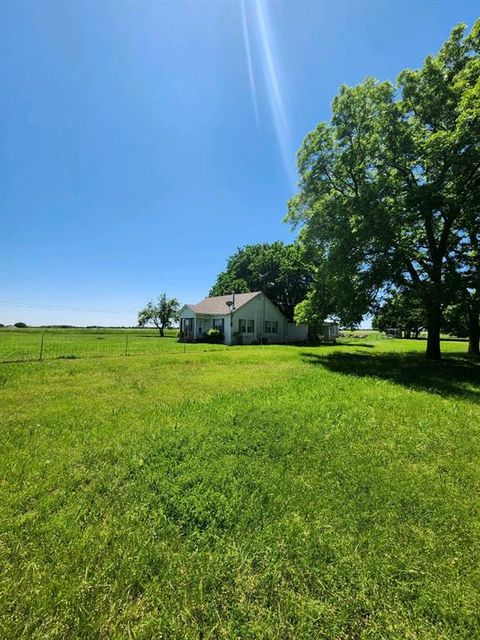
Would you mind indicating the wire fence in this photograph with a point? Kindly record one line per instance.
(27, 346)
(31, 344)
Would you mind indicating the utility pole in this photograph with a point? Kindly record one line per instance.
(231, 307)
(263, 276)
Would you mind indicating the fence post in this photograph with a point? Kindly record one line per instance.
(126, 344)
(41, 348)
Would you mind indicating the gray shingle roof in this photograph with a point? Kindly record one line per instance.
(217, 306)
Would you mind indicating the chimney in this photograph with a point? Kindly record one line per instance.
(233, 300)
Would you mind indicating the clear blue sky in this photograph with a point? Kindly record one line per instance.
(142, 143)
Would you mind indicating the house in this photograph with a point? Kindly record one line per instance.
(243, 318)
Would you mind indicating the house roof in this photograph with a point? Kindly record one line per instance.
(217, 305)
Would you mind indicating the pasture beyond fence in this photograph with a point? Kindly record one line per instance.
(37, 344)
(25, 345)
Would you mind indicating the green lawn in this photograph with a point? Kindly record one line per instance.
(248, 492)
(18, 345)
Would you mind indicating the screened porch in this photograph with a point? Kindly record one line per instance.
(196, 328)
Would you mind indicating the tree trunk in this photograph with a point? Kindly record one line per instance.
(473, 330)
(434, 315)
(160, 328)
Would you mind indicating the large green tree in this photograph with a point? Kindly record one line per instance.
(464, 275)
(280, 270)
(386, 184)
(161, 313)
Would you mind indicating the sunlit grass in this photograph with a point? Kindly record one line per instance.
(253, 492)
(17, 345)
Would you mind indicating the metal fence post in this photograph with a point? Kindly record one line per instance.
(40, 357)
(126, 344)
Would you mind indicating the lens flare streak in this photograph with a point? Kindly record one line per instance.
(268, 60)
(248, 52)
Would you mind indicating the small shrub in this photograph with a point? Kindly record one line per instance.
(214, 335)
(20, 325)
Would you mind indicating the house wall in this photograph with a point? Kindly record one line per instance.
(259, 309)
(186, 313)
(297, 332)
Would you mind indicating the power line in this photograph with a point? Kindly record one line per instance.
(52, 307)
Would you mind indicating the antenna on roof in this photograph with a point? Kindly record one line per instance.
(231, 303)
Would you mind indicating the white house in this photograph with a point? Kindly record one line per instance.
(243, 318)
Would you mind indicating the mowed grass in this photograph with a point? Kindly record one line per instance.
(253, 492)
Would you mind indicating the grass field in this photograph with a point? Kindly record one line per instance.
(249, 492)
(17, 345)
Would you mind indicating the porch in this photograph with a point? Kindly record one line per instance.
(196, 327)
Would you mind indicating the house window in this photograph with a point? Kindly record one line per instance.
(246, 326)
(219, 323)
(271, 326)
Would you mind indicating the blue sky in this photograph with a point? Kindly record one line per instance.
(142, 142)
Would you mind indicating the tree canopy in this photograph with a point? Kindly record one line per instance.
(280, 270)
(390, 184)
(161, 313)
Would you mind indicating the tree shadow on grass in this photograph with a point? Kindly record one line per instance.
(303, 345)
(364, 345)
(455, 375)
